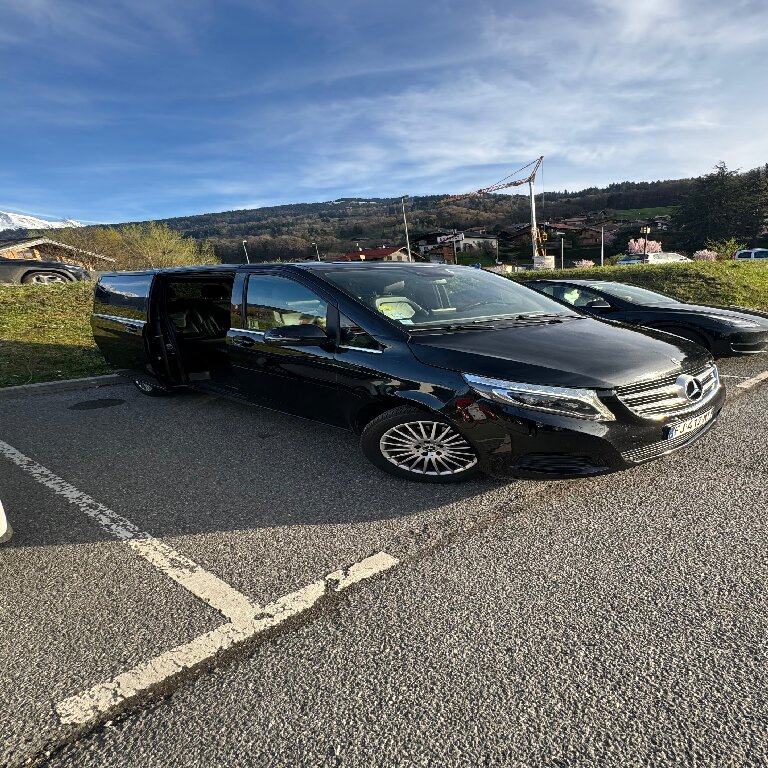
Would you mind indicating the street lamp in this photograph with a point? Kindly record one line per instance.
(317, 251)
(561, 235)
(405, 222)
(248, 261)
(645, 231)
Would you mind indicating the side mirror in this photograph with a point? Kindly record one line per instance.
(598, 304)
(296, 335)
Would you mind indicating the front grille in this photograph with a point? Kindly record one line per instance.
(663, 397)
(657, 449)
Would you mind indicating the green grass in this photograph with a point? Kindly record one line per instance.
(718, 282)
(644, 213)
(45, 334)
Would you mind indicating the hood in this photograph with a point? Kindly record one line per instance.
(744, 313)
(583, 353)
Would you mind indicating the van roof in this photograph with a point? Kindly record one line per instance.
(313, 265)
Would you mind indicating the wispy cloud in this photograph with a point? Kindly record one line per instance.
(164, 108)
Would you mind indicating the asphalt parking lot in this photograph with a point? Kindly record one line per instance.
(257, 572)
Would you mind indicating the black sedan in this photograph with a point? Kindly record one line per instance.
(721, 330)
(43, 272)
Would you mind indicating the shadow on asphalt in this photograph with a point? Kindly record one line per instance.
(197, 463)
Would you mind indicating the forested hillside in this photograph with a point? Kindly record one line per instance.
(722, 205)
(337, 226)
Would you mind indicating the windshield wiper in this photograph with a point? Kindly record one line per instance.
(553, 316)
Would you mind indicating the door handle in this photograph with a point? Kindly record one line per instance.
(243, 341)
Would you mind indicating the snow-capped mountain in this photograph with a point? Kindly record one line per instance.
(20, 221)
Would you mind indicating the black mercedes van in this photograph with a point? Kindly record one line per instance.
(443, 371)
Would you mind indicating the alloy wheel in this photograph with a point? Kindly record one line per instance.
(427, 448)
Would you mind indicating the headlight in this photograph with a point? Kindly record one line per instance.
(582, 403)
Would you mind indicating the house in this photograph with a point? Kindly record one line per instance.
(46, 249)
(392, 253)
(438, 237)
(476, 238)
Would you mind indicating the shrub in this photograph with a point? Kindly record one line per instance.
(705, 255)
(725, 248)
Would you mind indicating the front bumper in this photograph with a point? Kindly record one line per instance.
(514, 443)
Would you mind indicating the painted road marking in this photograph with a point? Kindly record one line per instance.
(246, 618)
(209, 588)
(104, 699)
(754, 381)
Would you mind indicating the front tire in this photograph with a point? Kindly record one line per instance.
(420, 446)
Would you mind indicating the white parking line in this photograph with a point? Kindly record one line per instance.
(101, 700)
(245, 618)
(754, 381)
(209, 588)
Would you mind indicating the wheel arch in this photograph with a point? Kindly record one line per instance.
(420, 400)
(34, 271)
(689, 329)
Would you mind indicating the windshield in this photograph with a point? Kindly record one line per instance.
(425, 297)
(634, 294)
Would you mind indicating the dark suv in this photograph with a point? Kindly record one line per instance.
(443, 371)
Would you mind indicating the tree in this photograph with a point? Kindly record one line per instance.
(724, 204)
(641, 245)
(139, 246)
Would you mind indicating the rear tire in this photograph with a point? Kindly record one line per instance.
(151, 389)
(419, 446)
(44, 278)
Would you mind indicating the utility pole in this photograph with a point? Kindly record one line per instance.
(247, 260)
(562, 253)
(405, 222)
(602, 246)
(317, 251)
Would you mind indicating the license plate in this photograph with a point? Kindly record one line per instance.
(689, 425)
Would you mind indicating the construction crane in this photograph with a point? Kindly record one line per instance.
(536, 237)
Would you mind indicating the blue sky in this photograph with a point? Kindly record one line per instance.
(153, 108)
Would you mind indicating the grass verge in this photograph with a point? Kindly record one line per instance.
(45, 334)
(700, 282)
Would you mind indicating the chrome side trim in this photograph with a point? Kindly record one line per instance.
(361, 349)
(123, 320)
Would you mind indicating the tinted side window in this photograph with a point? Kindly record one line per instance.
(272, 302)
(761, 254)
(122, 295)
(352, 335)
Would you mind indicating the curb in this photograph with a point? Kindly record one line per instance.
(47, 387)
